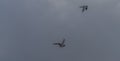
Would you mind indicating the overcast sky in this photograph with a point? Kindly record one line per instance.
(29, 27)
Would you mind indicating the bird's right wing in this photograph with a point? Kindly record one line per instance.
(63, 41)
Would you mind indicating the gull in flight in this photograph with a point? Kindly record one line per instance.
(60, 44)
(84, 7)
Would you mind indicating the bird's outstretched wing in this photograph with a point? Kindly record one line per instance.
(83, 10)
(81, 6)
(63, 41)
(56, 43)
(84, 7)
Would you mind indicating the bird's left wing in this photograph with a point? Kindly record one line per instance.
(55, 43)
(81, 6)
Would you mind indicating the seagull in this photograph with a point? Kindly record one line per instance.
(60, 44)
(84, 7)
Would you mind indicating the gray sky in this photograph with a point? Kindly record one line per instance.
(29, 27)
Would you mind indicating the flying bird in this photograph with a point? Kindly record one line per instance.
(84, 7)
(60, 44)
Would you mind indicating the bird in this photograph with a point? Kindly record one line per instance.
(60, 44)
(84, 7)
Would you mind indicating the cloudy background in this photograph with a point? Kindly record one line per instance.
(29, 27)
